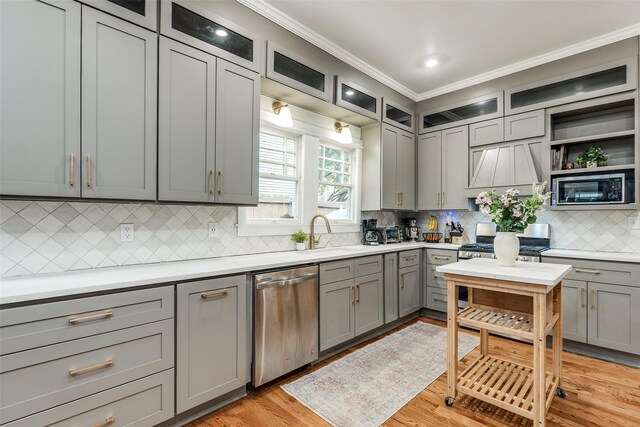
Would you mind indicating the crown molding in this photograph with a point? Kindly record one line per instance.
(285, 21)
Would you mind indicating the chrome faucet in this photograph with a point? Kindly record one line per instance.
(313, 243)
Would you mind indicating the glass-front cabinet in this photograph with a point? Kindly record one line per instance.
(357, 98)
(197, 26)
(471, 111)
(613, 77)
(294, 71)
(397, 115)
(140, 12)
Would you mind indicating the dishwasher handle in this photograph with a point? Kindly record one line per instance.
(285, 282)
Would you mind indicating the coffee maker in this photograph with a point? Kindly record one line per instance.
(412, 231)
(370, 233)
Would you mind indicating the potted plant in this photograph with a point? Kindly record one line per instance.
(299, 237)
(592, 157)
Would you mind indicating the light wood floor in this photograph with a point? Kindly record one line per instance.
(598, 394)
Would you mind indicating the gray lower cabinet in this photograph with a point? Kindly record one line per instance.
(390, 287)
(409, 287)
(211, 339)
(119, 102)
(337, 313)
(369, 304)
(435, 287)
(40, 102)
(574, 310)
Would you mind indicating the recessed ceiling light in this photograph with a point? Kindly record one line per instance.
(431, 62)
(222, 33)
(349, 92)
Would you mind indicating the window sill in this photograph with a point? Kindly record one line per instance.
(249, 230)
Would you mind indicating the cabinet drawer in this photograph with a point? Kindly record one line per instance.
(435, 279)
(140, 403)
(337, 271)
(408, 258)
(487, 132)
(617, 273)
(441, 257)
(368, 265)
(525, 125)
(35, 380)
(437, 299)
(39, 325)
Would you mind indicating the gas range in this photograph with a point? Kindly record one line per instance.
(533, 241)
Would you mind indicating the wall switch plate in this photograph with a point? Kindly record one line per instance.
(126, 233)
(633, 222)
(213, 229)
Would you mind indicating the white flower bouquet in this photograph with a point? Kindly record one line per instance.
(510, 213)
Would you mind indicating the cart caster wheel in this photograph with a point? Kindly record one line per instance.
(448, 401)
(561, 393)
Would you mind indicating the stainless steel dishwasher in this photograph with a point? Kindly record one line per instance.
(285, 322)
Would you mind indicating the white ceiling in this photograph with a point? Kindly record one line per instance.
(391, 38)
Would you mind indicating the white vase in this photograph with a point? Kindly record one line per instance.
(506, 247)
(301, 246)
(592, 165)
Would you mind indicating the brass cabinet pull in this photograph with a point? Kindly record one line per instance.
(446, 258)
(587, 270)
(401, 198)
(72, 170)
(106, 422)
(89, 172)
(444, 198)
(80, 319)
(211, 181)
(592, 297)
(440, 300)
(583, 296)
(214, 294)
(397, 198)
(358, 293)
(105, 364)
(353, 300)
(438, 198)
(401, 282)
(219, 182)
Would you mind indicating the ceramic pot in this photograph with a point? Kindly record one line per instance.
(506, 247)
(592, 165)
(301, 246)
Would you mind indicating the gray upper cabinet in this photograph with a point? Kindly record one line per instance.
(524, 125)
(471, 111)
(398, 169)
(211, 338)
(487, 132)
(40, 134)
(140, 12)
(299, 73)
(187, 105)
(397, 115)
(237, 130)
(357, 98)
(430, 171)
(194, 24)
(118, 108)
(604, 79)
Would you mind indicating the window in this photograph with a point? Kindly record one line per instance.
(334, 182)
(278, 178)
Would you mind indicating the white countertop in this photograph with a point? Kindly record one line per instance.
(528, 272)
(42, 286)
(594, 255)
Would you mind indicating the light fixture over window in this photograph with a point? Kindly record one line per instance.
(283, 113)
(344, 133)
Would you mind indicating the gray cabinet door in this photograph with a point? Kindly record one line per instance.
(430, 171)
(237, 129)
(406, 171)
(40, 102)
(186, 142)
(409, 283)
(211, 339)
(145, 14)
(369, 306)
(455, 167)
(337, 313)
(390, 287)
(614, 319)
(119, 101)
(389, 164)
(574, 310)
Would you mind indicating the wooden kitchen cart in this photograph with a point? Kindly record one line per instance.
(524, 301)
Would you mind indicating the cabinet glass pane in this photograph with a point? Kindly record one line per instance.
(197, 26)
(136, 6)
(358, 98)
(297, 71)
(398, 115)
(487, 106)
(571, 87)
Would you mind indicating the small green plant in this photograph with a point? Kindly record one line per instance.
(299, 237)
(592, 155)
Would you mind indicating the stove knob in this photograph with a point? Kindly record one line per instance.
(535, 259)
(477, 255)
(468, 254)
(522, 258)
(493, 256)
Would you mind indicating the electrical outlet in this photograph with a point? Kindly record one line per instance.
(633, 222)
(126, 233)
(213, 229)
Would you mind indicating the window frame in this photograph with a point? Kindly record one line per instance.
(351, 185)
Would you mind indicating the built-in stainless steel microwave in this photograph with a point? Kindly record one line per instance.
(589, 189)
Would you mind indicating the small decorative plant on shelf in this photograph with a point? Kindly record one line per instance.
(511, 214)
(592, 157)
(299, 237)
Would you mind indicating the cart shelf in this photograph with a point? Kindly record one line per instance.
(501, 321)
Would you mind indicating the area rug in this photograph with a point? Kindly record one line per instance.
(368, 386)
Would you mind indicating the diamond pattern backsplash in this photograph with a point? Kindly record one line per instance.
(48, 237)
